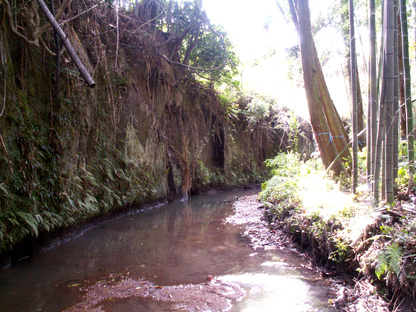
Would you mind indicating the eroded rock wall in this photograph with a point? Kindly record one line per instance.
(146, 131)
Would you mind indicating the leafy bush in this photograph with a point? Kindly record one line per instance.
(282, 189)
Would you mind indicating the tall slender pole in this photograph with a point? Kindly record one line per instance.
(87, 77)
(396, 110)
(372, 94)
(407, 91)
(354, 98)
(389, 77)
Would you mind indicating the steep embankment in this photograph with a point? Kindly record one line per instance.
(146, 131)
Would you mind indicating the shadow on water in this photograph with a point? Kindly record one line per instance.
(175, 244)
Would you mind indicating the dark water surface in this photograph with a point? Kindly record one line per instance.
(176, 243)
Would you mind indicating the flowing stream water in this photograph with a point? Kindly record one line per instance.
(165, 249)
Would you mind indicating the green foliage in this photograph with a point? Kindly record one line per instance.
(213, 51)
(263, 111)
(257, 110)
(342, 251)
(286, 195)
(294, 131)
(285, 165)
(282, 189)
(389, 260)
(39, 195)
(402, 180)
(204, 49)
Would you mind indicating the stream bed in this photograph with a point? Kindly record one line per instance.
(211, 253)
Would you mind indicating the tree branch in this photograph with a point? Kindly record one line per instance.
(117, 34)
(87, 77)
(7, 154)
(191, 67)
(203, 77)
(4, 97)
(177, 40)
(1, 138)
(281, 11)
(34, 21)
(82, 13)
(149, 21)
(14, 29)
(294, 14)
(58, 15)
(43, 44)
(194, 41)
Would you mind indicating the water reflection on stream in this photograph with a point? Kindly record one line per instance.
(177, 243)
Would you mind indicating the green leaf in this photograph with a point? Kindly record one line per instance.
(30, 220)
(394, 257)
(389, 260)
(382, 266)
(5, 190)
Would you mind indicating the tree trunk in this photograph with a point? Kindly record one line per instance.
(389, 99)
(402, 97)
(407, 90)
(372, 96)
(360, 111)
(354, 116)
(362, 140)
(378, 151)
(321, 109)
(396, 109)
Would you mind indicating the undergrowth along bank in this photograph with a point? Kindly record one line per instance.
(342, 231)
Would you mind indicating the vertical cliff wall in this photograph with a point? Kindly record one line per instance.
(146, 131)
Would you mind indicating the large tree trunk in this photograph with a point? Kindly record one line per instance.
(326, 123)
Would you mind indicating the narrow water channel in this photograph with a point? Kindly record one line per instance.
(175, 245)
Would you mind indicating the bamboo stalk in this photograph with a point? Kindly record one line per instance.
(407, 90)
(340, 153)
(372, 95)
(354, 99)
(389, 77)
(87, 77)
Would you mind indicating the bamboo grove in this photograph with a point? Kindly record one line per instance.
(386, 104)
(389, 109)
(389, 114)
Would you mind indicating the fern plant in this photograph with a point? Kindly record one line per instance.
(389, 260)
